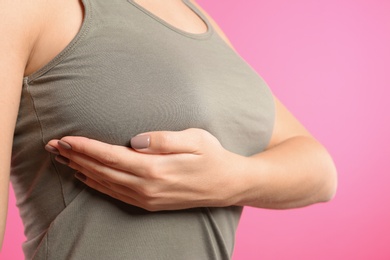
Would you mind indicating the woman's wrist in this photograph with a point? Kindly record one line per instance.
(242, 180)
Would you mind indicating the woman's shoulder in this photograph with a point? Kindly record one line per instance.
(35, 31)
(19, 24)
(58, 23)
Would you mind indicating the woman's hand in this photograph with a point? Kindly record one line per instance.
(164, 170)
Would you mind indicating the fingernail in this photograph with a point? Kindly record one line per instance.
(140, 141)
(64, 145)
(80, 176)
(52, 149)
(62, 159)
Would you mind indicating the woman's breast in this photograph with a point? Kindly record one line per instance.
(111, 90)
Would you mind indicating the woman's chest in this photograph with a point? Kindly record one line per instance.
(118, 80)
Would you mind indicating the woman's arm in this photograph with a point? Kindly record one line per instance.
(294, 171)
(16, 42)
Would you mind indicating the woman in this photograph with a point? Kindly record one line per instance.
(208, 135)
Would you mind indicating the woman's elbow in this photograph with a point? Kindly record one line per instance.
(329, 187)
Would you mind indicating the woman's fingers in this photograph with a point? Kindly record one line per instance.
(119, 157)
(113, 190)
(136, 195)
(111, 183)
(194, 141)
(96, 170)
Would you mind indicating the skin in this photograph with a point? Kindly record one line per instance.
(179, 169)
(16, 44)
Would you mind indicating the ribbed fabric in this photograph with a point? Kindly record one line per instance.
(127, 72)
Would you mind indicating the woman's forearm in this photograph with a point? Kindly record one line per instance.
(3, 206)
(295, 173)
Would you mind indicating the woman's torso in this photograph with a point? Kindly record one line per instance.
(126, 72)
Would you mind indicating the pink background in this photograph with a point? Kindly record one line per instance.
(329, 62)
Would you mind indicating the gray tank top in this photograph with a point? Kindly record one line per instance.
(127, 72)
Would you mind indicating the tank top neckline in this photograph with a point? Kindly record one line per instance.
(86, 24)
(193, 8)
